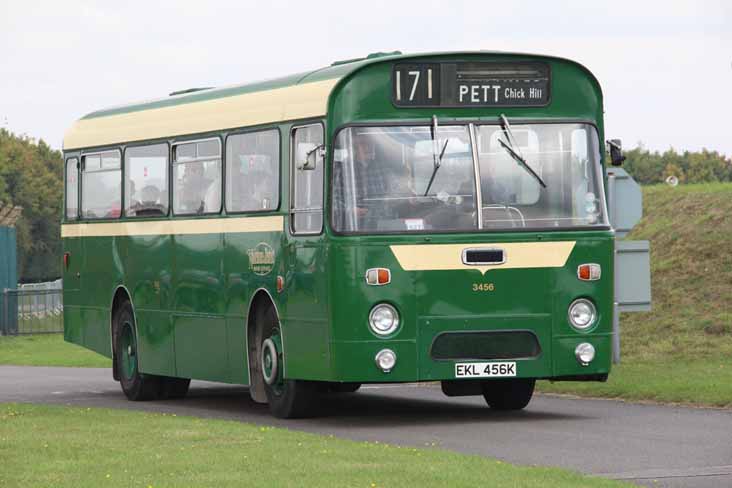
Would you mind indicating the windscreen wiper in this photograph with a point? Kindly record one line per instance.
(522, 162)
(437, 159)
(506, 127)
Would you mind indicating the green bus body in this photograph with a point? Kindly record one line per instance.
(193, 293)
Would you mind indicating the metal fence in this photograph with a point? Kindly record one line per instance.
(31, 310)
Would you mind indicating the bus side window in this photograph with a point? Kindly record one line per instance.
(146, 188)
(101, 185)
(253, 171)
(197, 177)
(307, 201)
(72, 189)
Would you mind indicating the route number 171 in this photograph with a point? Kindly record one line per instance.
(416, 85)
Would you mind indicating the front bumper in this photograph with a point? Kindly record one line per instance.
(353, 361)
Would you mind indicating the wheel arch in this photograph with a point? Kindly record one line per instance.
(261, 297)
(120, 295)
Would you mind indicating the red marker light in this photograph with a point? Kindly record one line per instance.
(67, 259)
(280, 284)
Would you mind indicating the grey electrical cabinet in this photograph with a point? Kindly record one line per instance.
(632, 258)
(633, 276)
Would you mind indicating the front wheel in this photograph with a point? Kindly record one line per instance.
(286, 398)
(508, 394)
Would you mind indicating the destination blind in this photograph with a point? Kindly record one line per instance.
(470, 84)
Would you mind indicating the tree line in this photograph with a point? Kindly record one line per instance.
(703, 166)
(31, 175)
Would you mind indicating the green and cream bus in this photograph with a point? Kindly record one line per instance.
(396, 218)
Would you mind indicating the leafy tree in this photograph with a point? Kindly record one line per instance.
(31, 176)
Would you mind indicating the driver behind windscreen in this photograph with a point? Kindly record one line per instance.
(372, 181)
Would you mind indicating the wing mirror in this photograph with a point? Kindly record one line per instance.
(616, 152)
(308, 155)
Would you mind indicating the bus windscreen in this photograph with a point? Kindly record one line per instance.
(399, 179)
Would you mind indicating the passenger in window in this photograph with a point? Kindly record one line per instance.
(194, 188)
(263, 183)
(212, 192)
(115, 211)
(133, 203)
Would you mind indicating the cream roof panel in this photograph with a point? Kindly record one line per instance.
(287, 103)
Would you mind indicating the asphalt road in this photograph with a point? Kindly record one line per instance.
(676, 447)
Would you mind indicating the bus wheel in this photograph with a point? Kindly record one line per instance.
(508, 394)
(343, 387)
(286, 398)
(135, 385)
(173, 388)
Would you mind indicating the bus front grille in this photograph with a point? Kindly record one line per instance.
(485, 345)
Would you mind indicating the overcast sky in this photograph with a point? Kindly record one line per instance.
(665, 66)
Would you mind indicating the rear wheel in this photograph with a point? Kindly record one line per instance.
(135, 385)
(508, 394)
(286, 398)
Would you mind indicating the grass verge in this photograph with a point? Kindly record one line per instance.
(78, 447)
(699, 382)
(48, 350)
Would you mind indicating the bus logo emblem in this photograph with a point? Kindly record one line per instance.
(261, 259)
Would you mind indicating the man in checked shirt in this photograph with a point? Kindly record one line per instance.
(372, 180)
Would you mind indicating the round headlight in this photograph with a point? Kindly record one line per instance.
(385, 360)
(584, 353)
(582, 314)
(383, 319)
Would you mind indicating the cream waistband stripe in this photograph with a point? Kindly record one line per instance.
(273, 223)
(434, 257)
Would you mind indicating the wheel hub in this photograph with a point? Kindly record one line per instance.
(271, 370)
(129, 363)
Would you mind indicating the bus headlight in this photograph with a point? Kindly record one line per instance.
(383, 319)
(582, 314)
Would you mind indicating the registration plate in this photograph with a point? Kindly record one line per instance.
(485, 370)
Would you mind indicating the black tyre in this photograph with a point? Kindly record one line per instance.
(508, 394)
(343, 387)
(136, 386)
(173, 388)
(286, 398)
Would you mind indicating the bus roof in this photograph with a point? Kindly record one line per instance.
(292, 97)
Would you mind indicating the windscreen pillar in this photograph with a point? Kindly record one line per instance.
(632, 289)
